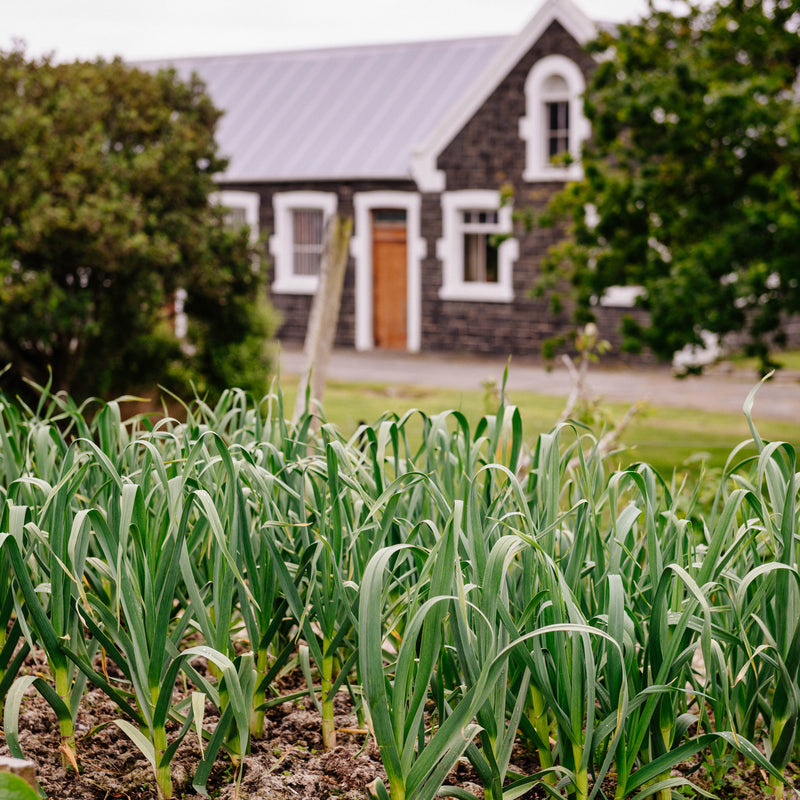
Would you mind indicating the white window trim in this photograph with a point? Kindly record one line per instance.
(361, 250)
(280, 243)
(533, 127)
(424, 159)
(249, 201)
(621, 296)
(225, 198)
(450, 249)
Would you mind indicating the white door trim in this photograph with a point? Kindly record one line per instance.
(361, 250)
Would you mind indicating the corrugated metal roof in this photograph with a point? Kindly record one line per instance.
(354, 112)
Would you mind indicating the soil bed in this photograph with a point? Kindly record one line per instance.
(286, 764)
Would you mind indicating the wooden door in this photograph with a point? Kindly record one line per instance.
(389, 283)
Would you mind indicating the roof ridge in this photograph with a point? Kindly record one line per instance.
(323, 51)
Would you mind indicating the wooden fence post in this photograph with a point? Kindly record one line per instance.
(324, 315)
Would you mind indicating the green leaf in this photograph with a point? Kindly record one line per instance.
(12, 787)
(139, 739)
(12, 706)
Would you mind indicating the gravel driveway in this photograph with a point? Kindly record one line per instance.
(721, 389)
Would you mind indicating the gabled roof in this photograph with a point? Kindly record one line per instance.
(370, 112)
(571, 18)
(343, 113)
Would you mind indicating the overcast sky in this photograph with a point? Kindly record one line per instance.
(138, 29)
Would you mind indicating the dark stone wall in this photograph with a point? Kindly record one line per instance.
(516, 328)
(609, 321)
(487, 153)
(294, 309)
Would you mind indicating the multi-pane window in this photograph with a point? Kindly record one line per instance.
(477, 248)
(554, 126)
(240, 209)
(480, 229)
(308, 228)
(299, 239)
(236, 217)
(557, 128)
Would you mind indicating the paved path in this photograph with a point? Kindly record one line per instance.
(718, 390)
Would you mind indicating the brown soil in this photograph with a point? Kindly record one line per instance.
(287, 764)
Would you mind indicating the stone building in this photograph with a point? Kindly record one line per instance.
(429, 147)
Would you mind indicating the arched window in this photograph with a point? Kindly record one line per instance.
(554, 126)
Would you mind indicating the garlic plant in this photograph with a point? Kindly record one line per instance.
(470, 590)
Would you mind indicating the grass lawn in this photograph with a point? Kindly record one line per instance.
(667, 438)
(788, 359)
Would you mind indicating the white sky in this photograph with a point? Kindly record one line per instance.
(139, 29)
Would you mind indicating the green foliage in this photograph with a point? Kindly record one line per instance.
(12, 787)
(105, 177)
(692, 174)
(472, 592)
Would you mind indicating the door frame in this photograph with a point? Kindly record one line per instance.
(361, 250)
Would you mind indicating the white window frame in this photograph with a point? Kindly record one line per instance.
(249, 201)
(621, 296)
(284, 205)
(533, 128)
(361, 250)
(450, 248)
(225, 198)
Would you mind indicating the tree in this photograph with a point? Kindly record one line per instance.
(105, 177)
(691, 184)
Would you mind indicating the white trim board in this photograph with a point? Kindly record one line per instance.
(361, 250)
